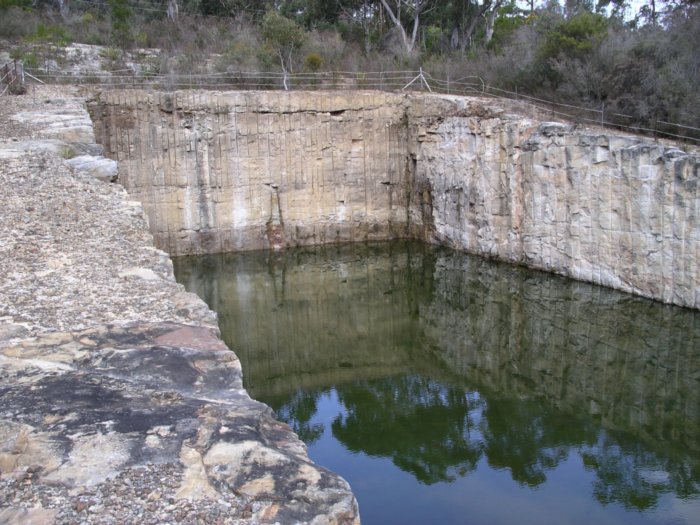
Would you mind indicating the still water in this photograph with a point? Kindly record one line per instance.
(449, 389)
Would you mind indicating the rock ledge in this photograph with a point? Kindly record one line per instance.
(119, 402)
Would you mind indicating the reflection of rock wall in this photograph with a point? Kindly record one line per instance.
(315, 318)
(245, 170)
(633, 363)
(312, 317)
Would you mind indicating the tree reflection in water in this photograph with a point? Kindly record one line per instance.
(425, 427)
(297, 413)
(447, 364)
(438, 432)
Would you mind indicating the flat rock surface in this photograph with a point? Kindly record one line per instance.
(118, 401)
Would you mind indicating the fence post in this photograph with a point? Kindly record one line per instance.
(20, 74)
(602, 114)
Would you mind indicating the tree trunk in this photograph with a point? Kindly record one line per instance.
(62, 8)
(284, 70)
(173, 10)
(491, 20)
(469, 31)
(408, 42)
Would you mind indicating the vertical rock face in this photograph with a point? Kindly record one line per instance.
(247, 170)
(606, 209)
(232, 171)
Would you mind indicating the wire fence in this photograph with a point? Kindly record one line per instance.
(12, 78)
(408, 80)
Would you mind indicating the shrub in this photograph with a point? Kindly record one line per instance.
(54, 33)
(16, 23)
(313, 62)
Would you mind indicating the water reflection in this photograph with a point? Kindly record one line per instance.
(447, 364)
(426, 427)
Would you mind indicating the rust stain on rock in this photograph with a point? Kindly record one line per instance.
(194, 337)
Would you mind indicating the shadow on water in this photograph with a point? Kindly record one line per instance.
(449, 365)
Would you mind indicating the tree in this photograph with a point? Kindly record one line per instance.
(231, 8)
(468, 15)
(363, 15)
(173, 10)
(285, 36)
(415, 8)
(312, 13)
(573, 39)
(121, 26)
(491, 20)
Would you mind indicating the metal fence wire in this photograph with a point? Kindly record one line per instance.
(12, 78)
(408, 80)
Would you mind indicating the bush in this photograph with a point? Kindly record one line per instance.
(313, 62)
(54, 33)
(15, 23)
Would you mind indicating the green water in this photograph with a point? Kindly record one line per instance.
(448, 389)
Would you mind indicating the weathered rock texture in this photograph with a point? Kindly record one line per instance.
(245, 170)
(230, 171)
(607, 209)
(118, 401)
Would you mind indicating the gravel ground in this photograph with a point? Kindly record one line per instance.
(75, 253)
(143, 495)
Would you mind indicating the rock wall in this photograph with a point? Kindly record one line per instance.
(607, 209)
(247, 170)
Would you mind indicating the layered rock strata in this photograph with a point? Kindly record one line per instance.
(119, 402)
(608, 209)
(246, 170)
(249, 170)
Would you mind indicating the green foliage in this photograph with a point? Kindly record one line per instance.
(281, 32)
(6, 4)
(509, 20)
(575, 37)
(432, 39)
(284, 36)
(67, 152)
(121, 14)
(110, 53)
(313, 61)
(30, 60)
(87, 19)
(54, 33)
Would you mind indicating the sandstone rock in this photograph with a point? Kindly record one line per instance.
(114, 381)
(109, 413)
(99, 167)
(34, 516)
(476, 174)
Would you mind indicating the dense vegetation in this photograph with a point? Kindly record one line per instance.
(644, 63)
